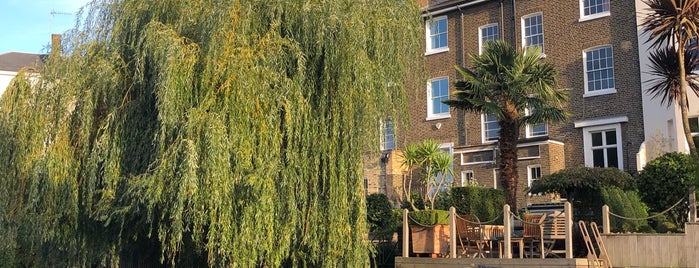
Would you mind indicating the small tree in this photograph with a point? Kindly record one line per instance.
(432, 167)
(583, 186)
(666, 180)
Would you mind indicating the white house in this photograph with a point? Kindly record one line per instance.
(662, 123)
(12, 62)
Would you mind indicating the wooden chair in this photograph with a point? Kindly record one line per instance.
(470, 230)
(533, 233)
(554, 229)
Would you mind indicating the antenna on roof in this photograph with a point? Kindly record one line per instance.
(53, 14)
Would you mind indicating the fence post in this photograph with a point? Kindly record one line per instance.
(605, 220)
(406, 234)
(568, 210)
(507, 225)
(452, 232)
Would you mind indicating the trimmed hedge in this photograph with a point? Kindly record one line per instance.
(485, 203)
(429, 217)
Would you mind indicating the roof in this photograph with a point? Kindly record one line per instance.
(435, 5)
(14, 61)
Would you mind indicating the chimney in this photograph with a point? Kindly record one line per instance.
(56, 44)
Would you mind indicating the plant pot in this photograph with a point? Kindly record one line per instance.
(431, 240)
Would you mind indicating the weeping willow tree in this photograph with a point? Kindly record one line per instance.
(203, 132)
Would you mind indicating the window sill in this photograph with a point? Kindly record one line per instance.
(599, 92)
(529, 158)
(476, 163)
(536, 136)
(436, 51)
(594, 16)
(488, 142)
(437, 117)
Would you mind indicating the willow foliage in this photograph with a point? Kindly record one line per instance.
(229, 133)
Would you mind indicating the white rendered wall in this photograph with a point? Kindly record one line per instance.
(5, 78)
(662, 123)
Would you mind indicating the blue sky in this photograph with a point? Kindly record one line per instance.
(27, 25)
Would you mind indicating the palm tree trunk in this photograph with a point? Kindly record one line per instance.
(508, 160)
(683, 98)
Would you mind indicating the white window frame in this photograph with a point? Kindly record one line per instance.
(602, 14)
(428, 35)
(463, 163)
(385, 134)
(464, 177)
(530, 176)
(530, 127)
(524, 36)
(598, 92)
(587, 141)
(430, 108)
(484, 136)
(480, 35)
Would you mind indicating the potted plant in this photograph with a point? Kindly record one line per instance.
(428, 169)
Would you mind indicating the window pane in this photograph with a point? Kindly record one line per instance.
(694, 124)
(598, 158)
(612, 157)
(592, 7)
(533, 31)
(599, 68)
(597, 139)
(528, 151)
(611, 137)
(439, 92)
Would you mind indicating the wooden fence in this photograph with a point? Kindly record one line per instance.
(654, 250)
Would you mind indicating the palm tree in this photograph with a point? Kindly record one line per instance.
(434, 164)
(506, 82)
(674, 23)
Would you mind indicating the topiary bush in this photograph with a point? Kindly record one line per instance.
(666, 180)
(485, 203)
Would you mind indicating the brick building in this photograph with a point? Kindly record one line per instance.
(594, 47)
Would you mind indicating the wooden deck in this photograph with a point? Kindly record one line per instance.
(488, 263)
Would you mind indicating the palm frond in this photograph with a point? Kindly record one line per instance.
(664, 68)
(669, 20)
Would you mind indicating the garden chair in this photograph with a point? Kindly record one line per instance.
(533, 234)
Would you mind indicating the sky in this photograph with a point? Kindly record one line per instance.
(27, 25)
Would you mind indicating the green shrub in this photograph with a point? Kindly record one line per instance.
(485, 203)
(665, 227)
(627, 204)
(666, 180)
(378, 212)
(646, 229)
(429, 217)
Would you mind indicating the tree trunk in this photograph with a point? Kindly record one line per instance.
(684, 105)
(508, 160)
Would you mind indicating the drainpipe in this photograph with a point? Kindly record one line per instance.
(514, 23)
(502, 20)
